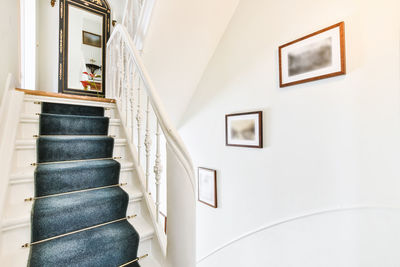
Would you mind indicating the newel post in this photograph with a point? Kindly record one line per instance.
(181, 205)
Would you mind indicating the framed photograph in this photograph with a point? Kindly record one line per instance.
(91, 39)
(207, 186)
(244, 129)
(316, 56)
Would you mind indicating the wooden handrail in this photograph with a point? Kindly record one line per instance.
(67, 96)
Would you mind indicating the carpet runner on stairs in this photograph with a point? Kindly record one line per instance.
(77, 187)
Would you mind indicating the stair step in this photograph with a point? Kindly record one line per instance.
(32, 118)
(149, 262)
(29, 126)
(14, 237)
(25, 144)
(62, 148)
(25, 175)
(110, 245)
(16, 215)
(72, 176)
(68, 109)
(59, 124)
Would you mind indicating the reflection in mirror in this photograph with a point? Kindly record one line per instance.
(85, 50)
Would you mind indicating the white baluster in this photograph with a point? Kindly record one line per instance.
(120, 71)
(147, 143)
(132, 101)
(139, 123)
(157, 170)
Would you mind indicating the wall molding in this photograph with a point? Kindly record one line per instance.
(292, 219)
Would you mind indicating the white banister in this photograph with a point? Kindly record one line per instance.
(180, 178)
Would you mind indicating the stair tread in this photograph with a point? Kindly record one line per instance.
(68, 109)
(32, 141)
(62, 214)
(149, 262)
(15, 260)
(13, 217)
(32, 118)
(28, 172)
(109, 245)
(143, 227)
(61, 124)
(72, 176)
(65, 148)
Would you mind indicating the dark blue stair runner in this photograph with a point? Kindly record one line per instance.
(74, 153)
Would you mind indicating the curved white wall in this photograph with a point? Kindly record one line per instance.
(347, 238)
(180, 41)
(329, 144)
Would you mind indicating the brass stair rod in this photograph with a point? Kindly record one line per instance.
(135, 260)
(38, 114)
(73, 192)
(73, 135)
(39, 103)
(70, 161)
(27, 245)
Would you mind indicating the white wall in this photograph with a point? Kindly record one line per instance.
(181, 39)
(329, 145)
(9, 46)
(117, 9)
(48, 47)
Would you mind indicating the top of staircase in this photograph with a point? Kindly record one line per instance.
(67, 96)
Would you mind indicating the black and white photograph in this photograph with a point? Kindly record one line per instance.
(207, 179)
(315, 56)
(244, 129)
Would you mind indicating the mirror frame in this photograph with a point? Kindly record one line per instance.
(99, 7)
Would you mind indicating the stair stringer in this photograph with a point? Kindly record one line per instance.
(19, 227)
(161, 237)
(7, 140)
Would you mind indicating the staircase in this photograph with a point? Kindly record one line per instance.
(38, 140)
(139, 142)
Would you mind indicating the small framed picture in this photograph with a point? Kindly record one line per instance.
(244, 129)
(91, 39)
(316, 56)
(207, 179)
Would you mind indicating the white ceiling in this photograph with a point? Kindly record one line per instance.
(181, 40)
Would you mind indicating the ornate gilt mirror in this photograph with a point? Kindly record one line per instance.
(83, 35)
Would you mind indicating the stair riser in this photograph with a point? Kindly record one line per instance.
(29, 129)
(30, 107)
(13, 239)
(24, 155)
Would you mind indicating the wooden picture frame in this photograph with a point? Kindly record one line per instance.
(244, 129)
(207, 187)
(165, 221)
(316, 56)
(91, 39)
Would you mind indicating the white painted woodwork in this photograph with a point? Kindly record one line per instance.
(129, 61)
